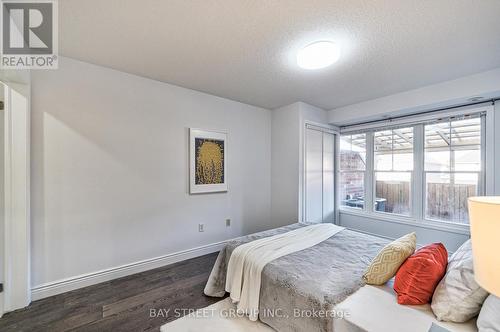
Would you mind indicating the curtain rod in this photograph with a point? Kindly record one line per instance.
(492, 101)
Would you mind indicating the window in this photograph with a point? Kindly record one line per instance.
(393, 167)
(452, 168)
(422, 168)
(352, 170)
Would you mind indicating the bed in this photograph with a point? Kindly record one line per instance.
(299, 291)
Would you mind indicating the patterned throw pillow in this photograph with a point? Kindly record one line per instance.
(458, 297)
(385, 265)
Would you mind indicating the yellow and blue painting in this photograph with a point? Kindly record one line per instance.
(209, 161)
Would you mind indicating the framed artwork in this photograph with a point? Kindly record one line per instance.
(208, 161)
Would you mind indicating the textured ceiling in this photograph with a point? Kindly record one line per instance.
(245, 49)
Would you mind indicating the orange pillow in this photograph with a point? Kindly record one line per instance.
(419, 275)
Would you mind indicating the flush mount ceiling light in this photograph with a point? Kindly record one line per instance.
(318, 55)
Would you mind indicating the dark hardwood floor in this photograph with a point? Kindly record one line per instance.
(123, 304)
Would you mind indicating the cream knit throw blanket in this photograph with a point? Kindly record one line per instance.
(248, 260)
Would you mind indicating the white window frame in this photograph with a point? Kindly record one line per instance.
(368, 200)
(481, 173)
(418, 182)
(374, 180)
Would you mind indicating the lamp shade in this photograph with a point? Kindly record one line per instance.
(484, 213)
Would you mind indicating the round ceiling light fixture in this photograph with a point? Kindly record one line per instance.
(318, 55)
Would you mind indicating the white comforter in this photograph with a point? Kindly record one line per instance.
(248, 260)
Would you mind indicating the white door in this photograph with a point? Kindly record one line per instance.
(328, 177)
(15, 238)
(2, 193)
(319, 186)
(314, 176)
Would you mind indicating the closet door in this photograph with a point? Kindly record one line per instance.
(328, 177)
(314, 176)
(319, 173)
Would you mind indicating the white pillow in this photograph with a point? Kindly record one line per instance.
(489, 317)
(458, 297)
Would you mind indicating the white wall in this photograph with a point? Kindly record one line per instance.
(110, 170)
(285, 164)
(392, 230)
(287, 159)
(445, 94)
(313, 113)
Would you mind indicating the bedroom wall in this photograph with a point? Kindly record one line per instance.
(287, 159)
(285, 164)
(445, 94)
(392, 230)
(110, 171)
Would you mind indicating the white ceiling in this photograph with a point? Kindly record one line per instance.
(245, 49)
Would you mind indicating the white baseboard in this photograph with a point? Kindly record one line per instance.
(69, 284)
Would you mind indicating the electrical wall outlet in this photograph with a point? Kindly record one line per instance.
(228, 222)
(201, 227)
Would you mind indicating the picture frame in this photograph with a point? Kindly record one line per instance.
(207, 161)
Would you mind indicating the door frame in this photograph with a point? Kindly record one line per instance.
(16, 261)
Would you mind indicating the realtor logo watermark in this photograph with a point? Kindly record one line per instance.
(29, 34)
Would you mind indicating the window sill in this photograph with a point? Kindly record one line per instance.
(384, 217)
